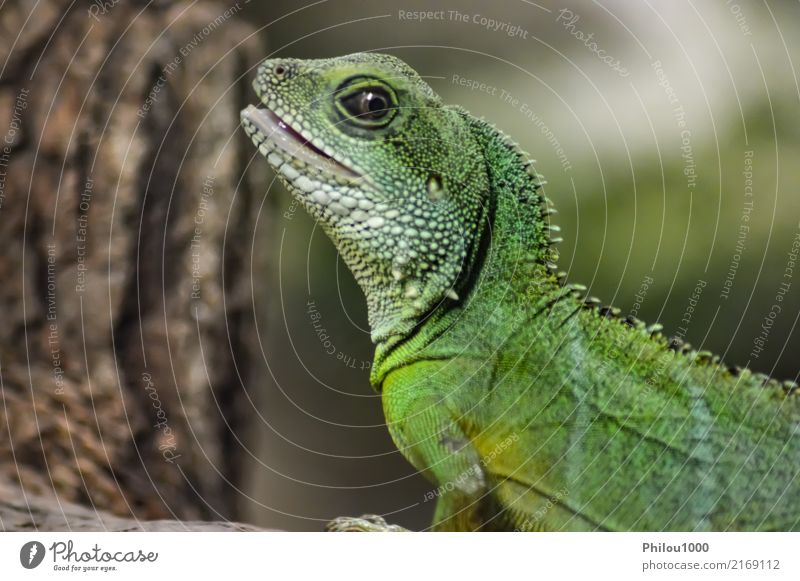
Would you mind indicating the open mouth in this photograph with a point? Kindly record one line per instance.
(291, 142)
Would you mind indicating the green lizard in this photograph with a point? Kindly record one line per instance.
(529, 406)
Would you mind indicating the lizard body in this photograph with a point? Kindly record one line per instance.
(529, 406)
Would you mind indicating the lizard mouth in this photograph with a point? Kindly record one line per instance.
(264, 126)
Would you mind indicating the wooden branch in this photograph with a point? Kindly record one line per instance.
(47, 514)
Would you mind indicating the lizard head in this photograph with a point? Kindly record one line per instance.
(395, 178)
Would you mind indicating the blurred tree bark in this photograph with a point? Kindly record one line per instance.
(126, 216)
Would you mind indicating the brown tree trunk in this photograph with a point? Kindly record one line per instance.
(126, 221)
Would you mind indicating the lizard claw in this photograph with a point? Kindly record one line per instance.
(368, 523)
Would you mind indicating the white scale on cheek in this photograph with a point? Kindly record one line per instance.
(337, 208)
(321, 198)
(289, 172)
(349, 202)
(305, 184)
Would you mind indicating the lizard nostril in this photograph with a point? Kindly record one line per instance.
(279, 71)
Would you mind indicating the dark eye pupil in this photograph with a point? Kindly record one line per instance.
(375, 103)
(370, 104)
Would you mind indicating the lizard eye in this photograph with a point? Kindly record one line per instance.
(369, 106)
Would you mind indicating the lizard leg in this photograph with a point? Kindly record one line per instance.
(448, 459)
(462, 484)
(431, 439)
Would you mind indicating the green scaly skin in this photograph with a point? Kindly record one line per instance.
(527, 405)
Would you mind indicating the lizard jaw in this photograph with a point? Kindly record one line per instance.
(265, 127)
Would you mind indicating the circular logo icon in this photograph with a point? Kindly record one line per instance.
(31, 554)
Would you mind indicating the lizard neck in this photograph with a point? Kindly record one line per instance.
(513, 257)
(513, 281)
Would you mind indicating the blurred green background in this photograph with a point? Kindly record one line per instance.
(609, 141)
